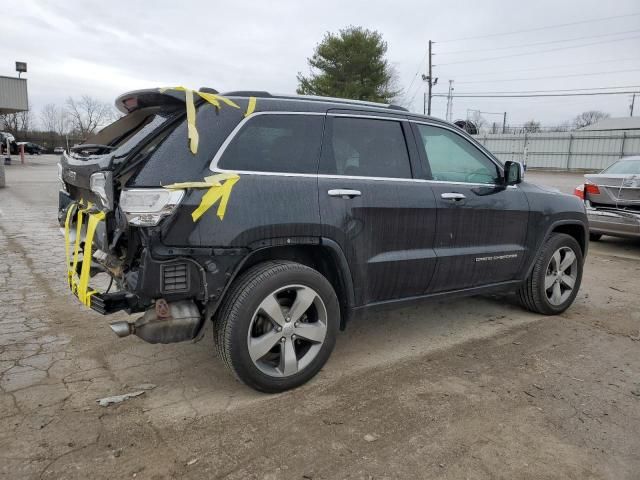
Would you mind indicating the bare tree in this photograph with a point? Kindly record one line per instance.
(15, 123)
(88, 114)
(478, 120)
(532, 126)
(49, 117)
(563, 127)
(588, 118)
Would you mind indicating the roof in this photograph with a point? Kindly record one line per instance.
(130, 101)
(616, 123)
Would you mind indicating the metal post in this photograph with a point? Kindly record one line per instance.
(624, 137)
(569, 152)
(525, 152)
(430, 79)
(504, 123)
(22, 153)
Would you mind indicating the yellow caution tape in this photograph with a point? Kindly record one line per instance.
(212, 98)
(216, 191)
(83, 294)
(67, 228)
(79, 285)
(251, 107)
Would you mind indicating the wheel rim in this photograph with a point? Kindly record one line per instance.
(561, 276)
(287, 331)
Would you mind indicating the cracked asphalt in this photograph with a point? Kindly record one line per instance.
(471, 388)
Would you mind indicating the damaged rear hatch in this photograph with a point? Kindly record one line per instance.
(111, 150)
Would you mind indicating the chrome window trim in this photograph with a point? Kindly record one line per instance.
(214, 162)
(374, 117)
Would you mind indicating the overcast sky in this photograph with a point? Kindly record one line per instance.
(106, 48)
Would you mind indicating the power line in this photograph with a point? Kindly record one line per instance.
(552, 90)
(540, 95)
(546, 27)
(541, 43)
(417, 71)
(539, 51)
(551, 76)
(554, 67)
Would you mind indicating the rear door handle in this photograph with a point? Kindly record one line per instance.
(456, 197)
(344, 193)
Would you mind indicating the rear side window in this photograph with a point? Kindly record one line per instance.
(276, 143)
(365, 147)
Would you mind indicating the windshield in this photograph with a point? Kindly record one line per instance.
(624, 167)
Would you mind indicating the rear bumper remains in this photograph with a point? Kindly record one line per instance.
(614, 221)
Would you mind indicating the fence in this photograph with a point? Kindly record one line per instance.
(564, 150)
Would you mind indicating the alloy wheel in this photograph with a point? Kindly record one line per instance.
(561, 275)
(287, 330)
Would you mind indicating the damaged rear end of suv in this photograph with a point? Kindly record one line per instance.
(120, 207)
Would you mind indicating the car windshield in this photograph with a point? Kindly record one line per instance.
(624, 167)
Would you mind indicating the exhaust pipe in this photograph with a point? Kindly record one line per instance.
(181, 322)
(122, 329)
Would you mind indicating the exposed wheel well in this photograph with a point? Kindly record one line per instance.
(319, 257)
(576, 231)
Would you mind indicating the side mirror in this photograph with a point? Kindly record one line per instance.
(513, 173)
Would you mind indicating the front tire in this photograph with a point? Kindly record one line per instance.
(277, 325)
(555, 279)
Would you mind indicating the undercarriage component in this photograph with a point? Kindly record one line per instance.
(183, 323)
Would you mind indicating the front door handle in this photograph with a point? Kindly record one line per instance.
(344, 193)
(456, 197)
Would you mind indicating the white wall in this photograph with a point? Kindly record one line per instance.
(564, 151)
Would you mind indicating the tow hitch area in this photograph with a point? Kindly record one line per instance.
(165, 323)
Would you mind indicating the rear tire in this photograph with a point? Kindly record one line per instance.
(555, 279)
(277, 325)
(594, 237)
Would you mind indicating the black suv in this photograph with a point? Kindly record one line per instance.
(279, 217)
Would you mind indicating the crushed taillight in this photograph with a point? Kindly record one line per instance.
(579, 191)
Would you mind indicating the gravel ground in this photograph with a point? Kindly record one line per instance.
(470, 388)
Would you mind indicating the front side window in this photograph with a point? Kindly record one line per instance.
(454, 159)
(276, 143)
(365, 147)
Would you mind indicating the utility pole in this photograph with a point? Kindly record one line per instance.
(430, 80)
(633, 101)
(449, 114)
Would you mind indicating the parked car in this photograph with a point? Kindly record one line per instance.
(31, 148)
(292, 214)
(58, 150)
(612, 198)
(13, 146)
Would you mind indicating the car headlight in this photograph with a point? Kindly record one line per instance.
(100, 183)
(145, 207)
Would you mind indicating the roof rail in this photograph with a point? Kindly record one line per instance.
(248, 93)
(263, 94)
